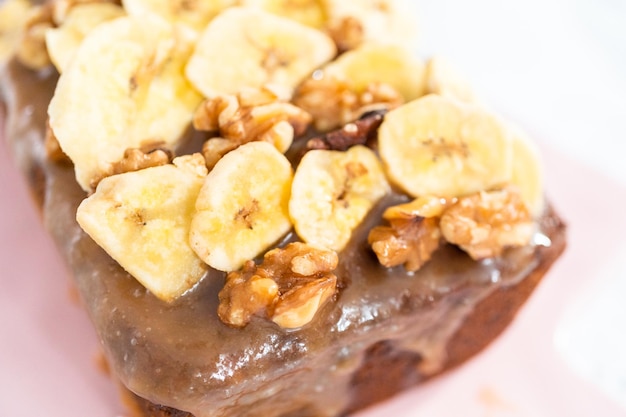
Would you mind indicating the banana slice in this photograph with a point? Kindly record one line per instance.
(440, 146)
(332, 193)
(383, 63)
(124, 87)
(528, 171)
(426, 206)
(13, 14)
(443, 79)
(242, 209)
(308, 12)
(193, 14)
(63, 41)
(142, 220)
(248, 47)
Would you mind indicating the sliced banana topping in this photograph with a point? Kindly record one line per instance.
(30, 49)
(63, 41)
(248, 47)
(194, 14)
(390, 64)
(242, 209)
(125, 86)
(332, 193)
(527, 173)
(440, 146)
(308, 12)
(253, 76)
(142, 220)
(13, 14)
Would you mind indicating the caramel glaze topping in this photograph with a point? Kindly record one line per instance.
(181, 355)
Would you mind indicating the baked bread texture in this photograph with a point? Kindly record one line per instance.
(327, 327)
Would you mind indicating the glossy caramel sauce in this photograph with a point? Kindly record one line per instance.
(183, 356)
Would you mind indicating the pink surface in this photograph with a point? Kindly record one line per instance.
(48, 349)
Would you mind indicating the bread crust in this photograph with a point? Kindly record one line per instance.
(386, 370)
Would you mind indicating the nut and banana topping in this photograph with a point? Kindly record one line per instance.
(143, 218)
(289, 287)
(123, 86)
(240, 119)
(310, 113)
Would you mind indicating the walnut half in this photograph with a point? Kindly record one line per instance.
(253, 116)
(333, 102)
(482, 224)
(288, 287)
(485, 223)
(413, 234)
(346, 32)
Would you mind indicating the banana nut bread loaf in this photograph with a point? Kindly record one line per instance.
(269, 215)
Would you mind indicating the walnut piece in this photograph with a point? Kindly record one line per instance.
(149, 155)
(408, 241)
(298, 306)
(245, 294)
(360, 132)
(485, 223)
(333, 103)
(193, 163)
(31, 50)
(413, 234)
(141, 158)
(250, 116)
(288, 287)
(346, 32)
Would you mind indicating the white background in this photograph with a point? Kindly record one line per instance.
(557, 67)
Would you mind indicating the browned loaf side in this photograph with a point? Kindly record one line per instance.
(386, 370)
(385, 331)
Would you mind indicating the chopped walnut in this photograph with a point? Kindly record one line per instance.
(332, 102)
(248, 117)
(245, 294)
(193, 163)
(288, 287)
(214, 148)
(211, 114)
(31, 50)
(485, 223)
(359, 132)
(149, 155)
(136, 159)
(413, 234)
(408, 241)
(298, 306)
(346, 32)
